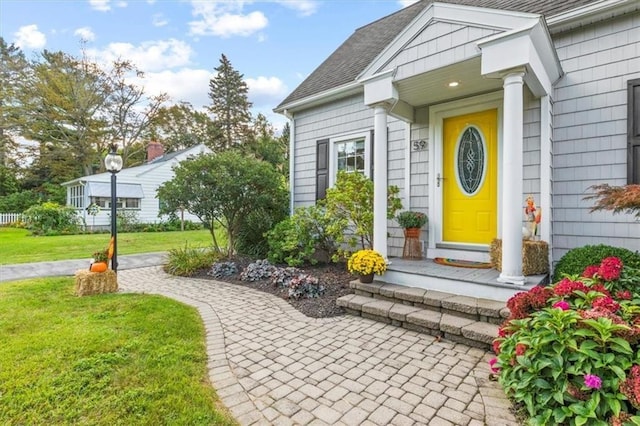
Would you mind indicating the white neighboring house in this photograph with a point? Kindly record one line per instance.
(136, 187)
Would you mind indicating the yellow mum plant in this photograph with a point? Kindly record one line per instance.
(366, 261)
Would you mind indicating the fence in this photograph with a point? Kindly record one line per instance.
(7, 218)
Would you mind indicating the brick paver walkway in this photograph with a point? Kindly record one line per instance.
(272, 365)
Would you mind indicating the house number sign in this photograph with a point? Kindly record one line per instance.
(419, 145)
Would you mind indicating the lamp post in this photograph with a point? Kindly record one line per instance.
(113, 164)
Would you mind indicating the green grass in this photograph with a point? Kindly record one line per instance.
(116, 359)
(17, 246)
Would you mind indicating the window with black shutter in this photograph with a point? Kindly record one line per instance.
(633, 131)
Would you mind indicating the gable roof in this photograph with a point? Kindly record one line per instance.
(347, 62)
(136, 171)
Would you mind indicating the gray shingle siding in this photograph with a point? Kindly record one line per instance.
(590, 131)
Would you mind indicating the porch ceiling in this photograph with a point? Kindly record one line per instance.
(433, 87)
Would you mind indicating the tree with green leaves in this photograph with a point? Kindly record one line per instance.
(64, 109)
(14, 69)
(230, 105)
(180, 126)
(224, 189)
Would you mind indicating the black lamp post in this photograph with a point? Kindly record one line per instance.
(113, 164)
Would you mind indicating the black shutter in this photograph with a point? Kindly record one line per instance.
(633, 131)
(322, 168)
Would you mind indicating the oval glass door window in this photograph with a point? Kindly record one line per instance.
(470, 160)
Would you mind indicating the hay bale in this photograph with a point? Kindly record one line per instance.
(88, 283)
(535, 256)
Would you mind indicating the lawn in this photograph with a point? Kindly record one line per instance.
(17, 246)
(117, 359)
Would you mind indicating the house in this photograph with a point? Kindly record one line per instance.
(469, 107)
(136, 188)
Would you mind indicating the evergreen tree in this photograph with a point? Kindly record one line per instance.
(13, 71)
(230, 105)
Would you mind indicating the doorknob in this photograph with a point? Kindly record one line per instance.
(438, 179)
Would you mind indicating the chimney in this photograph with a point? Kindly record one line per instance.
(154, 150)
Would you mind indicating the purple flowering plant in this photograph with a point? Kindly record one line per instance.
(570, 352)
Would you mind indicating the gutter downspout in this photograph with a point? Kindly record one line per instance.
(292, 138)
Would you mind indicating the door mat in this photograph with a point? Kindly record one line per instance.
(462, 263)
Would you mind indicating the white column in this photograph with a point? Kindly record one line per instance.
(380, 181)
(512, 200)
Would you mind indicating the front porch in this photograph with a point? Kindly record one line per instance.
(478, 283)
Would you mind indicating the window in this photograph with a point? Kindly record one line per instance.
(350, 156)
(352, 153)
(123, 203)
(76, 196)
(633, 131)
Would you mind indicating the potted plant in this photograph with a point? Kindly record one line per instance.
(365, 263)
(412, 222)
(100, 261)
(410, 219)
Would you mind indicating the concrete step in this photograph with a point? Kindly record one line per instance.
(462, 319)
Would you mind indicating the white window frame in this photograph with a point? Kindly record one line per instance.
(76, 196)
(349, 137)
(105, 203)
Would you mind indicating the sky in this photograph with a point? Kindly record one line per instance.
(274, 44)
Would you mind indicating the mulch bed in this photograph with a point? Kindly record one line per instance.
(334, 277)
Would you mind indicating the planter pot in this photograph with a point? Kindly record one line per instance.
(366, 278)
(98, 267)
(412, 233)
(412, 246)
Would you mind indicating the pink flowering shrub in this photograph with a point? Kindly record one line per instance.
(570, 353)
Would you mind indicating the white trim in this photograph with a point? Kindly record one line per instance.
(333, 166)
(437, 114)
(292, 163)
(546, 163)
(407, 166)
(590, 13)
(444, 12)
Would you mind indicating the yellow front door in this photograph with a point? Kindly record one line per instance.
(470, 177)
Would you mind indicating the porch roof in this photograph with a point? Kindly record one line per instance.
(123, 190)
(352, 57)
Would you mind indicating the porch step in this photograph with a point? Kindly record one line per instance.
(462, 319)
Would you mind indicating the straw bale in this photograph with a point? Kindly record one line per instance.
(88, 283)
(535, 256)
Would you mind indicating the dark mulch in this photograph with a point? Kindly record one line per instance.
(334, 277)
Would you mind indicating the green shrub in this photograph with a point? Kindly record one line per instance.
(349, 203)
(298, 239)
(251, 240)
(577, 259)
(51, 219)
(187, 261)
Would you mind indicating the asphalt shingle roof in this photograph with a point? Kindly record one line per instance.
(367, 42)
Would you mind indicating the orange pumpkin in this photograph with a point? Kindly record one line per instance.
(98, 267)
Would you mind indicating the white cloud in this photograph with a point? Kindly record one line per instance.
(100, 5)
(304, 7)
(148, 56)
(189, 85)
(159, 20)
(192, 85)
(85, 33)
(29, 37)
(405, 3)
(266, 90)
(121, 4)
(225, 19)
